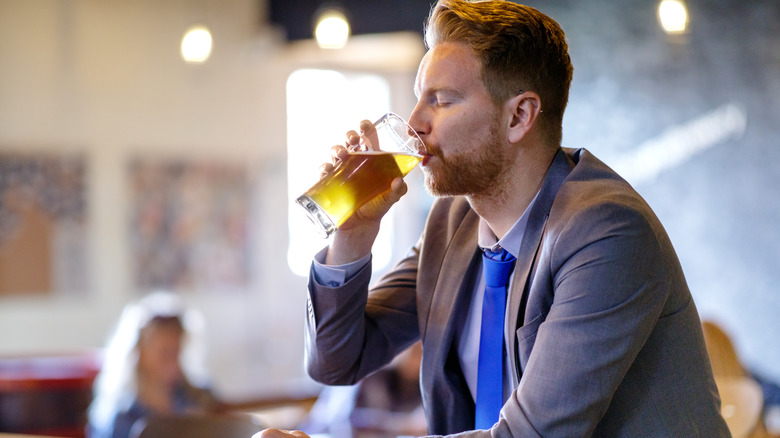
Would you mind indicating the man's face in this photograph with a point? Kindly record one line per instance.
(458, 122)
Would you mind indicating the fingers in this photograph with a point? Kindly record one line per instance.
(375, 209)
(369, 136)
(398, 188)
(325, 169)
(337, 155)
(353, 143)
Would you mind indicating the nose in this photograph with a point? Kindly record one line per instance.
(415, 129)
(418, 123)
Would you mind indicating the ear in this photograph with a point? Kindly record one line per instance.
(523, 111)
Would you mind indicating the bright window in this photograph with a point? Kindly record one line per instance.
(322, 105)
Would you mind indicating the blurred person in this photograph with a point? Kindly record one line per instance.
(591, 332)
(389, 402)
(149, 366)
(386, 403)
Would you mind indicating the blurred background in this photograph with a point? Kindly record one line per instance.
(136, 156)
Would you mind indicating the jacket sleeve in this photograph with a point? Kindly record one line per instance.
(351, 332)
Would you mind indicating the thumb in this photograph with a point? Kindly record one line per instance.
(398, 188)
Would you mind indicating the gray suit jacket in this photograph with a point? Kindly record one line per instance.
(601, 329)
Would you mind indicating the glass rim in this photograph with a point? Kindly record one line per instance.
(421, 149)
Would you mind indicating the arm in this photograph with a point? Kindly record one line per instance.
(342, 320)
(351, 332)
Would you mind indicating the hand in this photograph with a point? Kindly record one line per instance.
(338, 152)
(276, 433)
(356, 236)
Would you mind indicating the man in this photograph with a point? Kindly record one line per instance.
(600, 336)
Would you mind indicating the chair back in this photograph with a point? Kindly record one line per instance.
(741, 398)
(723, 355)
(741, 403)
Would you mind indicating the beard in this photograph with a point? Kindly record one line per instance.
(469, 173)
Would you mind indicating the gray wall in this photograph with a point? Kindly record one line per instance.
(692, 122)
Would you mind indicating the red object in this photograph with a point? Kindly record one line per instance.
(47, 394)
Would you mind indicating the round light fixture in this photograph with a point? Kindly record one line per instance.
(673, 16)
(332, 29)
(196, 44)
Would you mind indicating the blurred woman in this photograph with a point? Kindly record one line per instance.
(149, 368)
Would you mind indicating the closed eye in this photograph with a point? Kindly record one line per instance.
(439, 102)
(443, 98)
(439, 98)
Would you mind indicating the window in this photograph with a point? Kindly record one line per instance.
(322, 105)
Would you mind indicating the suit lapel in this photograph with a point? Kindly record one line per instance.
(540, 211)
(450, 285)
(443, 380)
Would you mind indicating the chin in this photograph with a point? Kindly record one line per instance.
(447, 185)
(431, 187)
(439, 190)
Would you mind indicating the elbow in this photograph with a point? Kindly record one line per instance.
(327, 374)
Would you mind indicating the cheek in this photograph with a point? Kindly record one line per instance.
(453, 132)
(468, 126)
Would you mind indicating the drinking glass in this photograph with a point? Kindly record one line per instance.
(365, 173)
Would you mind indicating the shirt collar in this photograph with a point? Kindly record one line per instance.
(488, 241)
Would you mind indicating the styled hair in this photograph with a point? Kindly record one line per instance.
(519, 48)
(115, 386)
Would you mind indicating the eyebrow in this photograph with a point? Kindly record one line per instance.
(434, 91)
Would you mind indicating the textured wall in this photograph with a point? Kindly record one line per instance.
(692, 122)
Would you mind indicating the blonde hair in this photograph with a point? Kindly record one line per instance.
(519, 48)
(115, 386)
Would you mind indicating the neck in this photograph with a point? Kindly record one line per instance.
(504, 203)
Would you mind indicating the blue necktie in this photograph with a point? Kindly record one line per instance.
(490, 372)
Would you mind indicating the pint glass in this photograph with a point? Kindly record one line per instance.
(363, 174)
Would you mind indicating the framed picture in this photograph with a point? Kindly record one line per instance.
(189, 225)
(43, 209)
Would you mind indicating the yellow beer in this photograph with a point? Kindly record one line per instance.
(359, 178)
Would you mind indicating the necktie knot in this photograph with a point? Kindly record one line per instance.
(497, 266)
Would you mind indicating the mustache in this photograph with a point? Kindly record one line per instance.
(431, 149)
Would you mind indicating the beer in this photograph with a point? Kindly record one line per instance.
(359, 178)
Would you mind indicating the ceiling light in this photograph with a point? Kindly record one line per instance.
(196, 44)
(332, 30)
(673, 16)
